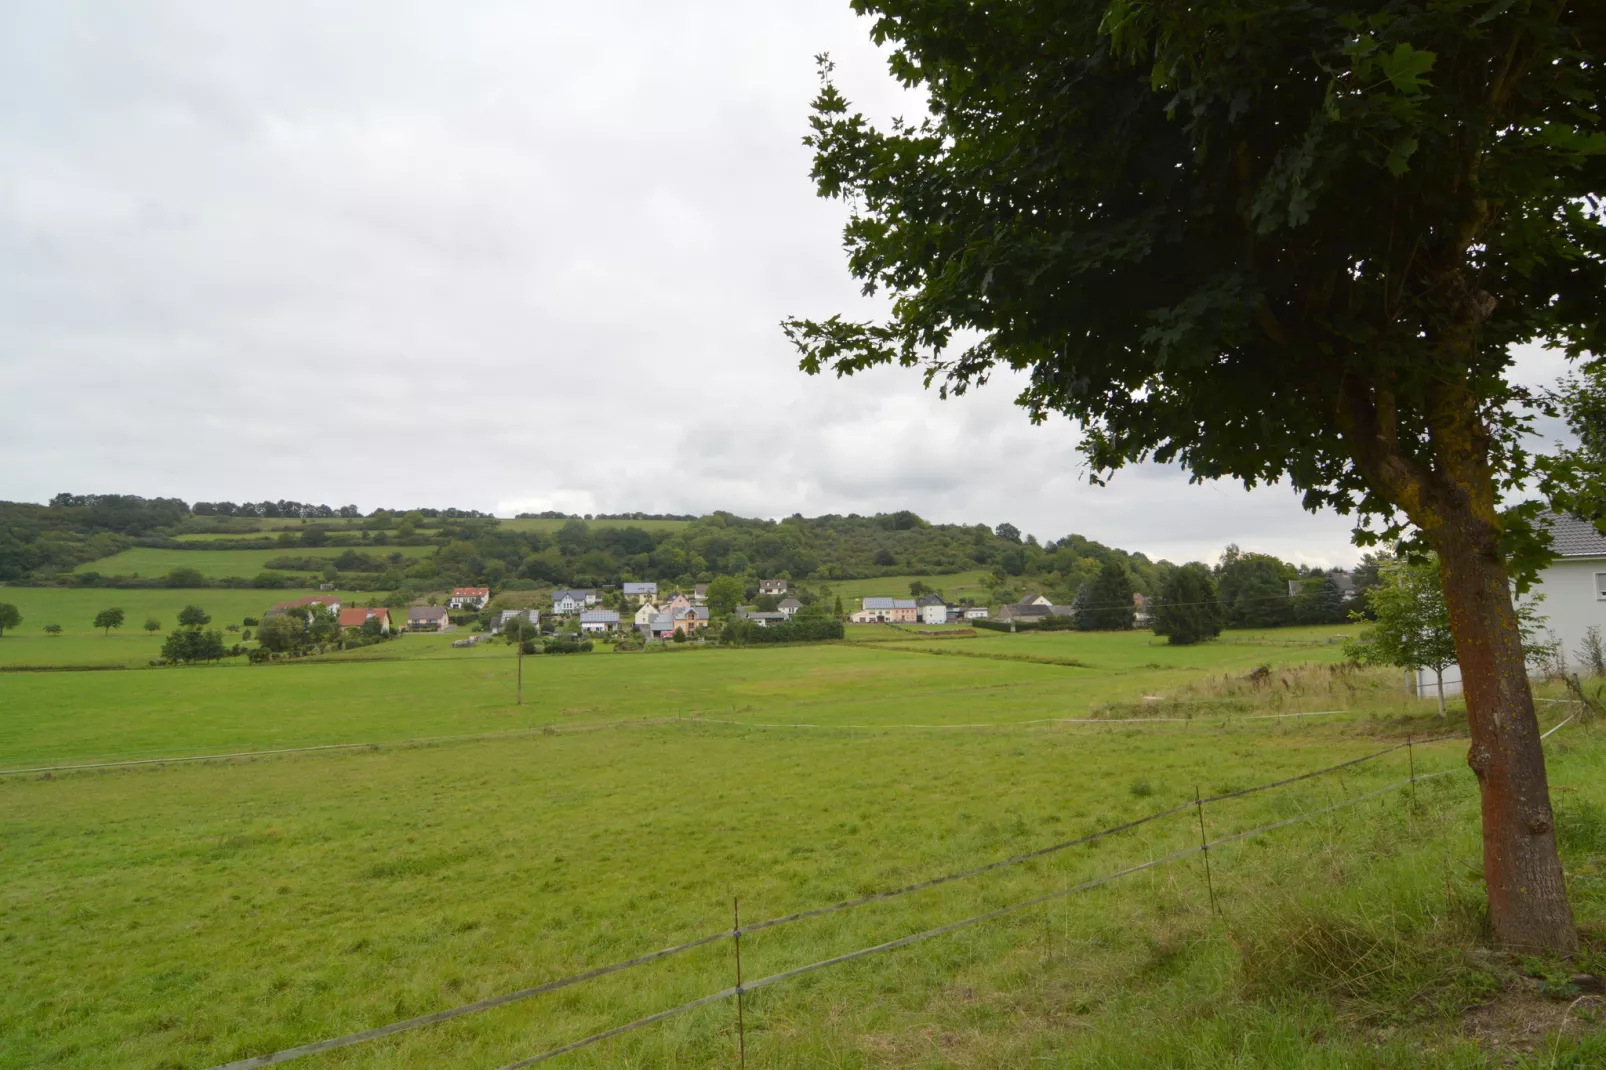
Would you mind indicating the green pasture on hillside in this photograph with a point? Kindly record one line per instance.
(975, 585)
(535, 524)
(80, 643)
(151, 563)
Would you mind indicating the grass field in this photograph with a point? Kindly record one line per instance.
(217, 564)
(185, 915)
(975, 585)
(80, 643)
(531, 524)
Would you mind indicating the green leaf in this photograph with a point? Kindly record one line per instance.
(1399, 160)
(1406, 67)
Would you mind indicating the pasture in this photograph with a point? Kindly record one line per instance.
(549, 525)
(80, 643)
(975, 585)
(185, 915)
(152, 563)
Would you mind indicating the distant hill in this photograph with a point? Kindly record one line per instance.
(67, 541)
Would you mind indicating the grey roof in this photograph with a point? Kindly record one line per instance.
(759, 614)
(1571, 536)
(662, 623)
(790, 603)
(641, 588)
(578, 593)
(929, 600)
(599, 616)
(426, 612)
(694, 612)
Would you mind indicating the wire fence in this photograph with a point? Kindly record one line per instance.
(738, 930)
(642, 722)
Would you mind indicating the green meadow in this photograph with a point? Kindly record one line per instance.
(537, 524)
(217, 564)
(80, 643)
(183, 915)
(974, 585)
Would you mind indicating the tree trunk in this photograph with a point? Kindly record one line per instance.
(1527, 896)
(1440, 674)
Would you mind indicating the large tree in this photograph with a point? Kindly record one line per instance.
(1187, 610)
(10, 617)
(1105, 602)
(1264, 240)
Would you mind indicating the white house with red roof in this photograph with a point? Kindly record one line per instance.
(469, 597)
(357, 616)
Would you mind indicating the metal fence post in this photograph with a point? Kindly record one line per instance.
(741, 1025)
(1204, 848)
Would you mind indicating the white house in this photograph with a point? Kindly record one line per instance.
(976, 613)
(599, 620)
(1574, 590)
(644, 615)
(699, 593)
(469, 597)
(644, 591)
(937, 614)
(790, 607)
(570, 601)
(1574, 585)
(773, 586)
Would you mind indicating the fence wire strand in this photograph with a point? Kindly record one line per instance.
(941, 930)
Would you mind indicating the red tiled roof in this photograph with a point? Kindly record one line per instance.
(310, 600)
(356, 618)
(469, 592)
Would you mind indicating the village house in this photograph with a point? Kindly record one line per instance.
(790, 607)
(762, 617)
(662, 626)
(699, 593)
(933, 610)
(427, 619)
(975, 612)
(1034, 608)
(644, 616)
(1574, 585)
(329, 602)
(679, 601)
(887, 611)
(531, 615)
(599, 620)
(569, 601)
(357, 617)
(645, 592)
(775, 587)
(469, 597)
(689, 619)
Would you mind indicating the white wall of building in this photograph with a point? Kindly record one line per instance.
(1575, 598)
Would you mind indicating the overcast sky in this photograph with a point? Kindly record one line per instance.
(505, 256)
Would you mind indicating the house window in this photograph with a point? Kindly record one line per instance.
(1600, 586)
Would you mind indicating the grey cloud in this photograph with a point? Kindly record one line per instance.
(499, 255)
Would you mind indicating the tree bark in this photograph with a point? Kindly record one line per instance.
(1528, 905)
(1439, 673)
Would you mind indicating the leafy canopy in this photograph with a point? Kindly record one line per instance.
(1263, 239)
(1187, 610)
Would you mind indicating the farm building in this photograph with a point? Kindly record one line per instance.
(469, 597)
(887, 611)
(933, 610)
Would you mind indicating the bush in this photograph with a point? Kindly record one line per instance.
(797, 630)
(192, 644)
